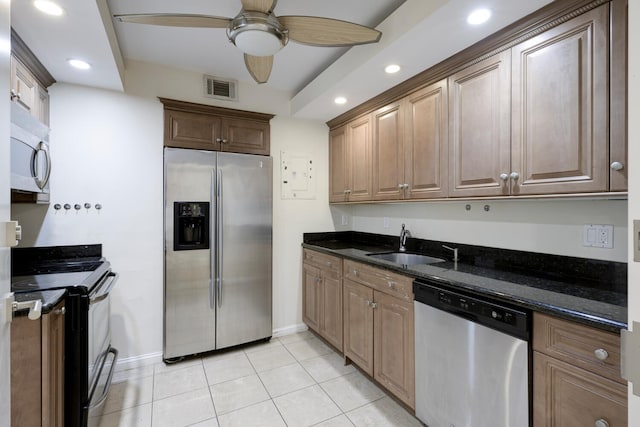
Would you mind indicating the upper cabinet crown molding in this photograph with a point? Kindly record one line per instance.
(21, 51)
(191, 107)
(549, 16)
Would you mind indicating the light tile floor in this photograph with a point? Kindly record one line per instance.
(291, 381)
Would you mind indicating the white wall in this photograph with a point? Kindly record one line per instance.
(107, 149)
(554, 227)
(634, 182)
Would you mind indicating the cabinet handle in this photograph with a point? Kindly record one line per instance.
(224, 140)
(62, 310)
(14, 94)
(328, 263)
(374, 305)
(347, 191)
(504, 177)
(405, 186)
(355, 272)
(218, 139)
(368, 303)
(401, 186)
(391, 284)
(515, 176)
(602, 423)
(601, 354)
(617, 166)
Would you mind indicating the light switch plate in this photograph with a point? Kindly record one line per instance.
(636, 240)
(598, 236)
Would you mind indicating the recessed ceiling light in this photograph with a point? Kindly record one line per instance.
(341, 100)
(48, 7)
(478, 16)
(392, 69)
(79, 64)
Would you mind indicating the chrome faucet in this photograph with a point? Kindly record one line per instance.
(404, 233)
(455, 252)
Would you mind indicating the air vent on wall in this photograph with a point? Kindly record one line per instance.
(220, 88)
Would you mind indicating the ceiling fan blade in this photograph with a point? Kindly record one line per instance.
(176, 20)
(264, 6)
(318, 31)
(259, 67)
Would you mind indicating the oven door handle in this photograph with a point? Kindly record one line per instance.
(107, 284)
(107, 386)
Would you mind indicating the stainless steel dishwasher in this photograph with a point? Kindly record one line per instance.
(472, 359)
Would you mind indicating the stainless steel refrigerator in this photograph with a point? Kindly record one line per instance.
(218, 250)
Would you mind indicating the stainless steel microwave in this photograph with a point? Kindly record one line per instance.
(30, 157)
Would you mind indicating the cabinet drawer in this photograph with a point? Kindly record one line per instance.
(323, 261)
(578, 345)
(381, 280)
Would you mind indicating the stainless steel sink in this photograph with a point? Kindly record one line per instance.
(405, 258)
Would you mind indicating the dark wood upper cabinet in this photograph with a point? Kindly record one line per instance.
(204, 127)
(560, 106)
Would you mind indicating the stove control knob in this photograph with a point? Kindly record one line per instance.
(494, 314)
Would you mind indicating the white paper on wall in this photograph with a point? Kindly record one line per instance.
(298, 178)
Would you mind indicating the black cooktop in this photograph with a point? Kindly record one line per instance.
(57, 267)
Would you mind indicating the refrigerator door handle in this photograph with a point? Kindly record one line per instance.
(219, 222)
(212, 261)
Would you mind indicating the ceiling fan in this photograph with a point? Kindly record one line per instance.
(260, 34)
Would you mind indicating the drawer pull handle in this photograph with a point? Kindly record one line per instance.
(391, 284)
(602, 423)
(369, 303)
(355, 272)
(601, 354)
(374, 305)
(329, 263)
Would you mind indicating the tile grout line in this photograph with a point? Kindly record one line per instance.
(206, 378)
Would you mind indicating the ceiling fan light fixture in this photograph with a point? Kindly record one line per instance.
(257, 34)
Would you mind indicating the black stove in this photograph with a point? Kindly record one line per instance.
(87, 278)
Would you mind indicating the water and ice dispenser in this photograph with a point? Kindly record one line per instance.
(191, 225)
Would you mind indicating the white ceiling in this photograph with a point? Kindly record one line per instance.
(416, 34)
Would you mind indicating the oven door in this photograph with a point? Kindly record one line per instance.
(101, 356)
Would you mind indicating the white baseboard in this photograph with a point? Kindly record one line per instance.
(153, 358)
(288, 330)
(138, 361)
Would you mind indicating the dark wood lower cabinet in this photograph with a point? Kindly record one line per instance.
(567, 396)
(37, 370)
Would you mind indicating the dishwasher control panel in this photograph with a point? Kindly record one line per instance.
(477, 308)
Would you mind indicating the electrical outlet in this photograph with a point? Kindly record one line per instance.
(345, 219)
(598, 236)
(385, 222)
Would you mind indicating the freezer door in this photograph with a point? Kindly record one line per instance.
(244, 255)
(189, 305)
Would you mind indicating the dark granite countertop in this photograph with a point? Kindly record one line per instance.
(49, 300)
(592, 292)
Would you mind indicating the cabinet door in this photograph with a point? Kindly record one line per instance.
(311, 297)
(245, 136)
(359, 146)
(618, 97)
(43, 105)
(479, 128)
(358, 325)
(25, 87)
(331, 328)
(191, 130)
(26, 372)
(394, 346)
(566, 396)
(426, 142)
(338, 165)
(388, 153)
(560, 108)
(53, 367)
